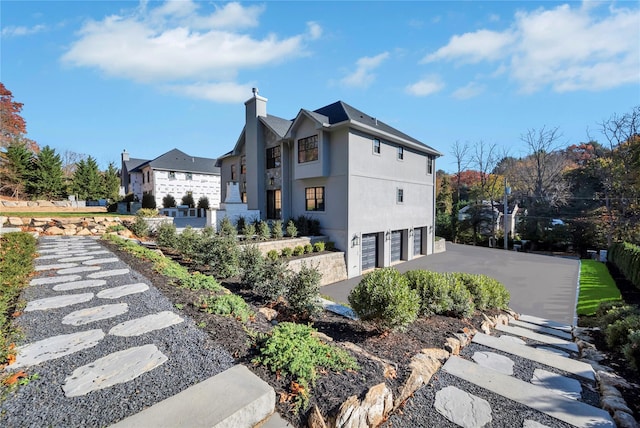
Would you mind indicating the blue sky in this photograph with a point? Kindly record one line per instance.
(97, 77)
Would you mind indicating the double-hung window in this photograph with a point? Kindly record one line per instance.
(314, 199)
(188, 176)
(273, 157)
(429, 164)
(400, 152)
(243, 165)
(308, 149)
(234, 173)
(376, 146)
(399, 196)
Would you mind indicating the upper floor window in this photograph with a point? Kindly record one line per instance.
(273, 157)
(308, 149)
(314, 198)
(429, 164)
(148, 180)
(234, 173)
(143, 178)
(400, 152)
(243, 165)
(376, 146)
(399, 195)
(188, 176)
(172, 175)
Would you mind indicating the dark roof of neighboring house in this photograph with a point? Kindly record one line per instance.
(341, 111)
(176, 160)
(133, 163)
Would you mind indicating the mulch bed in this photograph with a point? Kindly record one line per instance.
(331, 389)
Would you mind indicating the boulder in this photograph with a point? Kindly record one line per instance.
(423, 367)
(54, 230)
(368, 413)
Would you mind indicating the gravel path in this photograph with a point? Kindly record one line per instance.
(190, 356)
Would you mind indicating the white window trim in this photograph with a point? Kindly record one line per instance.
(398, 190)
(400, 152)
(373, 146)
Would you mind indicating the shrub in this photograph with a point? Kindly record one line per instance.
(264, 232)
(166, 235)
(617, 334)
(148, 201)
(116, 228)
(308, 249)
(147, 212)
(221, 254)
(227, 229)
(433, 289)
(307, 226)
(276, 230)
(273, 255)
(292, 230)
(383, 297)
(487, 292)
(252, 266)
(274, 282)
(169, 201)
(303, 292)
(249, 231)
(287, 252)
(293, 349)
(610, 312)
(330, 246)
(188, 200)
(318, 247)
(462, 301)
(631, 350)
(298, 250)
(240, 222)
(227, 305)
(188, 242)
(203, 203)
(139, 227)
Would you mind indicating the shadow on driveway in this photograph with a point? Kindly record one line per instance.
(542, 286)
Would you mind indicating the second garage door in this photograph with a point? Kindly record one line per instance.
(369, 251)
(396, 245)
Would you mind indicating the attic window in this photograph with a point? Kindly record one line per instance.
(172, 175)
(188, 176)
(308, 149)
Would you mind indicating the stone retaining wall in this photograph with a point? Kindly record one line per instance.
(280, 244)
(44, 204)
(71, 226)
(331, 265)
(439, 246)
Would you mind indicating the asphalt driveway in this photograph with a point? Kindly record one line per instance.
(542, 286)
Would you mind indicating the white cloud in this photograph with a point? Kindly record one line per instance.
(17, 31)
(174, 44)
(470, 90)
(426, 86)
(314, 29)
(229, 92)
(363, 76)
(565, 48)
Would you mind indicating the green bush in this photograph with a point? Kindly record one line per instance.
(303, 292)
(462, 301)
(252, 266)
(116, 228)
(611, 312)
(287, 252)
(308, 249)
(200, 281)
(318, 247)
(147, 212)
(433, 289)
(293, 349)
(292, 230)
(264, 232)
(169, 201)
(203, 203)
(383, 297)
(298, 250)
(631, 350)
(166, 235)
(249, 231)
(188, 200)
(273, 255)
(221, 254)
(626, 257)
(240, 223)
(617, 334)
(274, 282)
(227, 305)
(276, 230)
(487, 292)
(148, 201)
(188, 242)
(227, 229)
(139, 227)
(330, 246)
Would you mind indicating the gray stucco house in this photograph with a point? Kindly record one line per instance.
(175, 173)
(371, 187)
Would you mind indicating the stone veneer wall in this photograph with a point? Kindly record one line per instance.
(331, 265)
(57, 204)
(279, 244)
(439, 246)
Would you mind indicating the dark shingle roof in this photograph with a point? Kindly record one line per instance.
(133, 163)
(279, 125)
(175, 160)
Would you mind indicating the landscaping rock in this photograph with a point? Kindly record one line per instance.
(371, 412)
(625, 420)
(423, 367)
(315, 419)
(462, 408)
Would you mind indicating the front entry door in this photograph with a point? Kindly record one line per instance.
(274, 204)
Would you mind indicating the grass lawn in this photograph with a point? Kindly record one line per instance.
(596, 285)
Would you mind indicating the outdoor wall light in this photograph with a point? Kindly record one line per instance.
(387, 235)
(411, 232)
(355, 241)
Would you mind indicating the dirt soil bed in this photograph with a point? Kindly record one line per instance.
(332, 388)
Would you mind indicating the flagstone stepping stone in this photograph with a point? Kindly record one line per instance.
(75, 259)
(115, 368)
(56, 251)
(55, 266)
(494, 361)
(56, 347)
(528, 423)
(79, 269)
(96, 252)
(57, 302)
(139, 326)
(559, 384)
(108, 273)
(54, 256)
(76, 285)
(122, 290)
(101, 261)
(53, 279)
(96, 313)
(513, 339)
(462, 408)
(554, 350)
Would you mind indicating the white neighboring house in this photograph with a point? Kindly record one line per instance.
(371, 187)
(175, 173)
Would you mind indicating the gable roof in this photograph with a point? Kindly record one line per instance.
(134, 163)
(176, 160)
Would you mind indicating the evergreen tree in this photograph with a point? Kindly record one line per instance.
(111, 182)
(87, 181)
(14, 169)
(45, 175)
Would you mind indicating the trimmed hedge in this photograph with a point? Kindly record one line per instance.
(626, 257)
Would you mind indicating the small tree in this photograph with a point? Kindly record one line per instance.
(292, 230)
(227, 229)
(45, 176)
(303, 292)
(148, 201)
(111, 183)
(188, 200)
(276, 230)
(264, 232)
(203, 203)
(169, 201)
